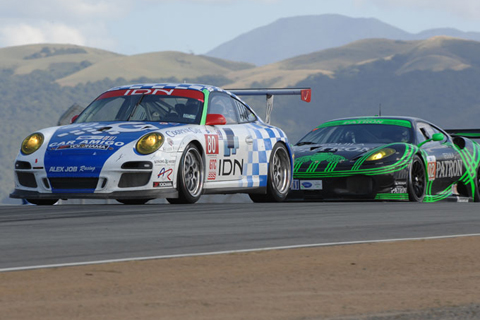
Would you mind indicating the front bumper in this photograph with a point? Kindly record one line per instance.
(133, 180)
(143, 194)
(354, 187)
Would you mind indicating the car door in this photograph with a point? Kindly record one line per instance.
(444, 164)
(226, 163)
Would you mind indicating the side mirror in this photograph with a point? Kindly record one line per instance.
(74, 118)
(214, 119)
(436, 137)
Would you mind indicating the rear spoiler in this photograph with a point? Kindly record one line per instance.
(305, 95)
(467, 133)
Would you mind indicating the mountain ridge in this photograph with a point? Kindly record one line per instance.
(320, 32)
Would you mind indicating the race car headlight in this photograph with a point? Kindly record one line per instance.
(381, 154)
(32, 143)
(149, 143)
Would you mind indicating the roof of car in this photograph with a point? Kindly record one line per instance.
(188, 86)
(378, 117)
(405, 118)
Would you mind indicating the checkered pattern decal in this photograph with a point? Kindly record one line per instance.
(256, 168)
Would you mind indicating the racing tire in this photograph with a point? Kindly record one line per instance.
(191, 172)
(133, 201)
(279, 176)
(417, 182)
(476, 192)
(43, 202)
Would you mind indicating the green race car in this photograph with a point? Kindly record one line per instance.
(386, 158)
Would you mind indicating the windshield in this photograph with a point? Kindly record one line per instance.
(119, 106)
(358, 133)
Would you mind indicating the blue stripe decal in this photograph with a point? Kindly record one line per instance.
(81, 150)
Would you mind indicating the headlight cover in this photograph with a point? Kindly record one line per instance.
(381, 154)
(32, 143)
(149, 143)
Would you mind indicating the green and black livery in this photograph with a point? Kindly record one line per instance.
(386, 158)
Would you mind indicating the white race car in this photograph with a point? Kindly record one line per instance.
(139, 142)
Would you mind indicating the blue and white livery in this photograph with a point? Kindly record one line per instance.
(140, 142)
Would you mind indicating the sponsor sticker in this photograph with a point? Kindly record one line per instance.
(162, 184)
(212, 170)
(311, 185)
(165, 174)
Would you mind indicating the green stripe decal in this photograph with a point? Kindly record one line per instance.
(329, 170)
(393, 122)
(391, 196)
(205, 107)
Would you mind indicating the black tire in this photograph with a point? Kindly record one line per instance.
(191, 172)
(43, 202)
(476, 192)
(417, 182)
(133, 201)
(279, 176)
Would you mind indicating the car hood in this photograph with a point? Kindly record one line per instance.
(82, 149)
(336, 152)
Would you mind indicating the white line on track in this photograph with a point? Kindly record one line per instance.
(74, 264)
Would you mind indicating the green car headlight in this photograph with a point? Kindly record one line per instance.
(149, 143)
(381, 154)
(32, 143)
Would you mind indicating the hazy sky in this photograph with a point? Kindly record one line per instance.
(140, 26)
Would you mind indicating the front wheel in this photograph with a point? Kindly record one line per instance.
(476, 191)
(279, 176)
(417, 180)
(190, 177)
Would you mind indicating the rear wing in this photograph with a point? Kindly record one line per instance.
(467, 133)
(305, 95)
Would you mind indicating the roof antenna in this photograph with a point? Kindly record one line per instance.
(380, 110)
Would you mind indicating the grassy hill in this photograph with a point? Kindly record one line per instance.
(169, 64)
(59, 59)
(436, 79)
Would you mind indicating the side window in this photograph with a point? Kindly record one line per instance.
(425, 131)
(422, 132)
(222, 103)
(437, 130)
(244, 114)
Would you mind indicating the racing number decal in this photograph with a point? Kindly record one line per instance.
(211, 146)
(211, 140)
(431, 167)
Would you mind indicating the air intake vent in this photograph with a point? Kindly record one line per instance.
(136, 179)
(74, 183)
(27, 179)
(22, 165)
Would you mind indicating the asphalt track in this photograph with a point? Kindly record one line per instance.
(32, 236)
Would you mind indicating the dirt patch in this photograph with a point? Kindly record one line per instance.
(310, 283)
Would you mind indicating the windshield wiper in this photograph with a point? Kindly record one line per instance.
(304, 143)
(135, 108)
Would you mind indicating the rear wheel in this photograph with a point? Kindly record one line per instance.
(133, 201)
(43, 202)
(417, 180)
(279, 176)
(190, 177)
